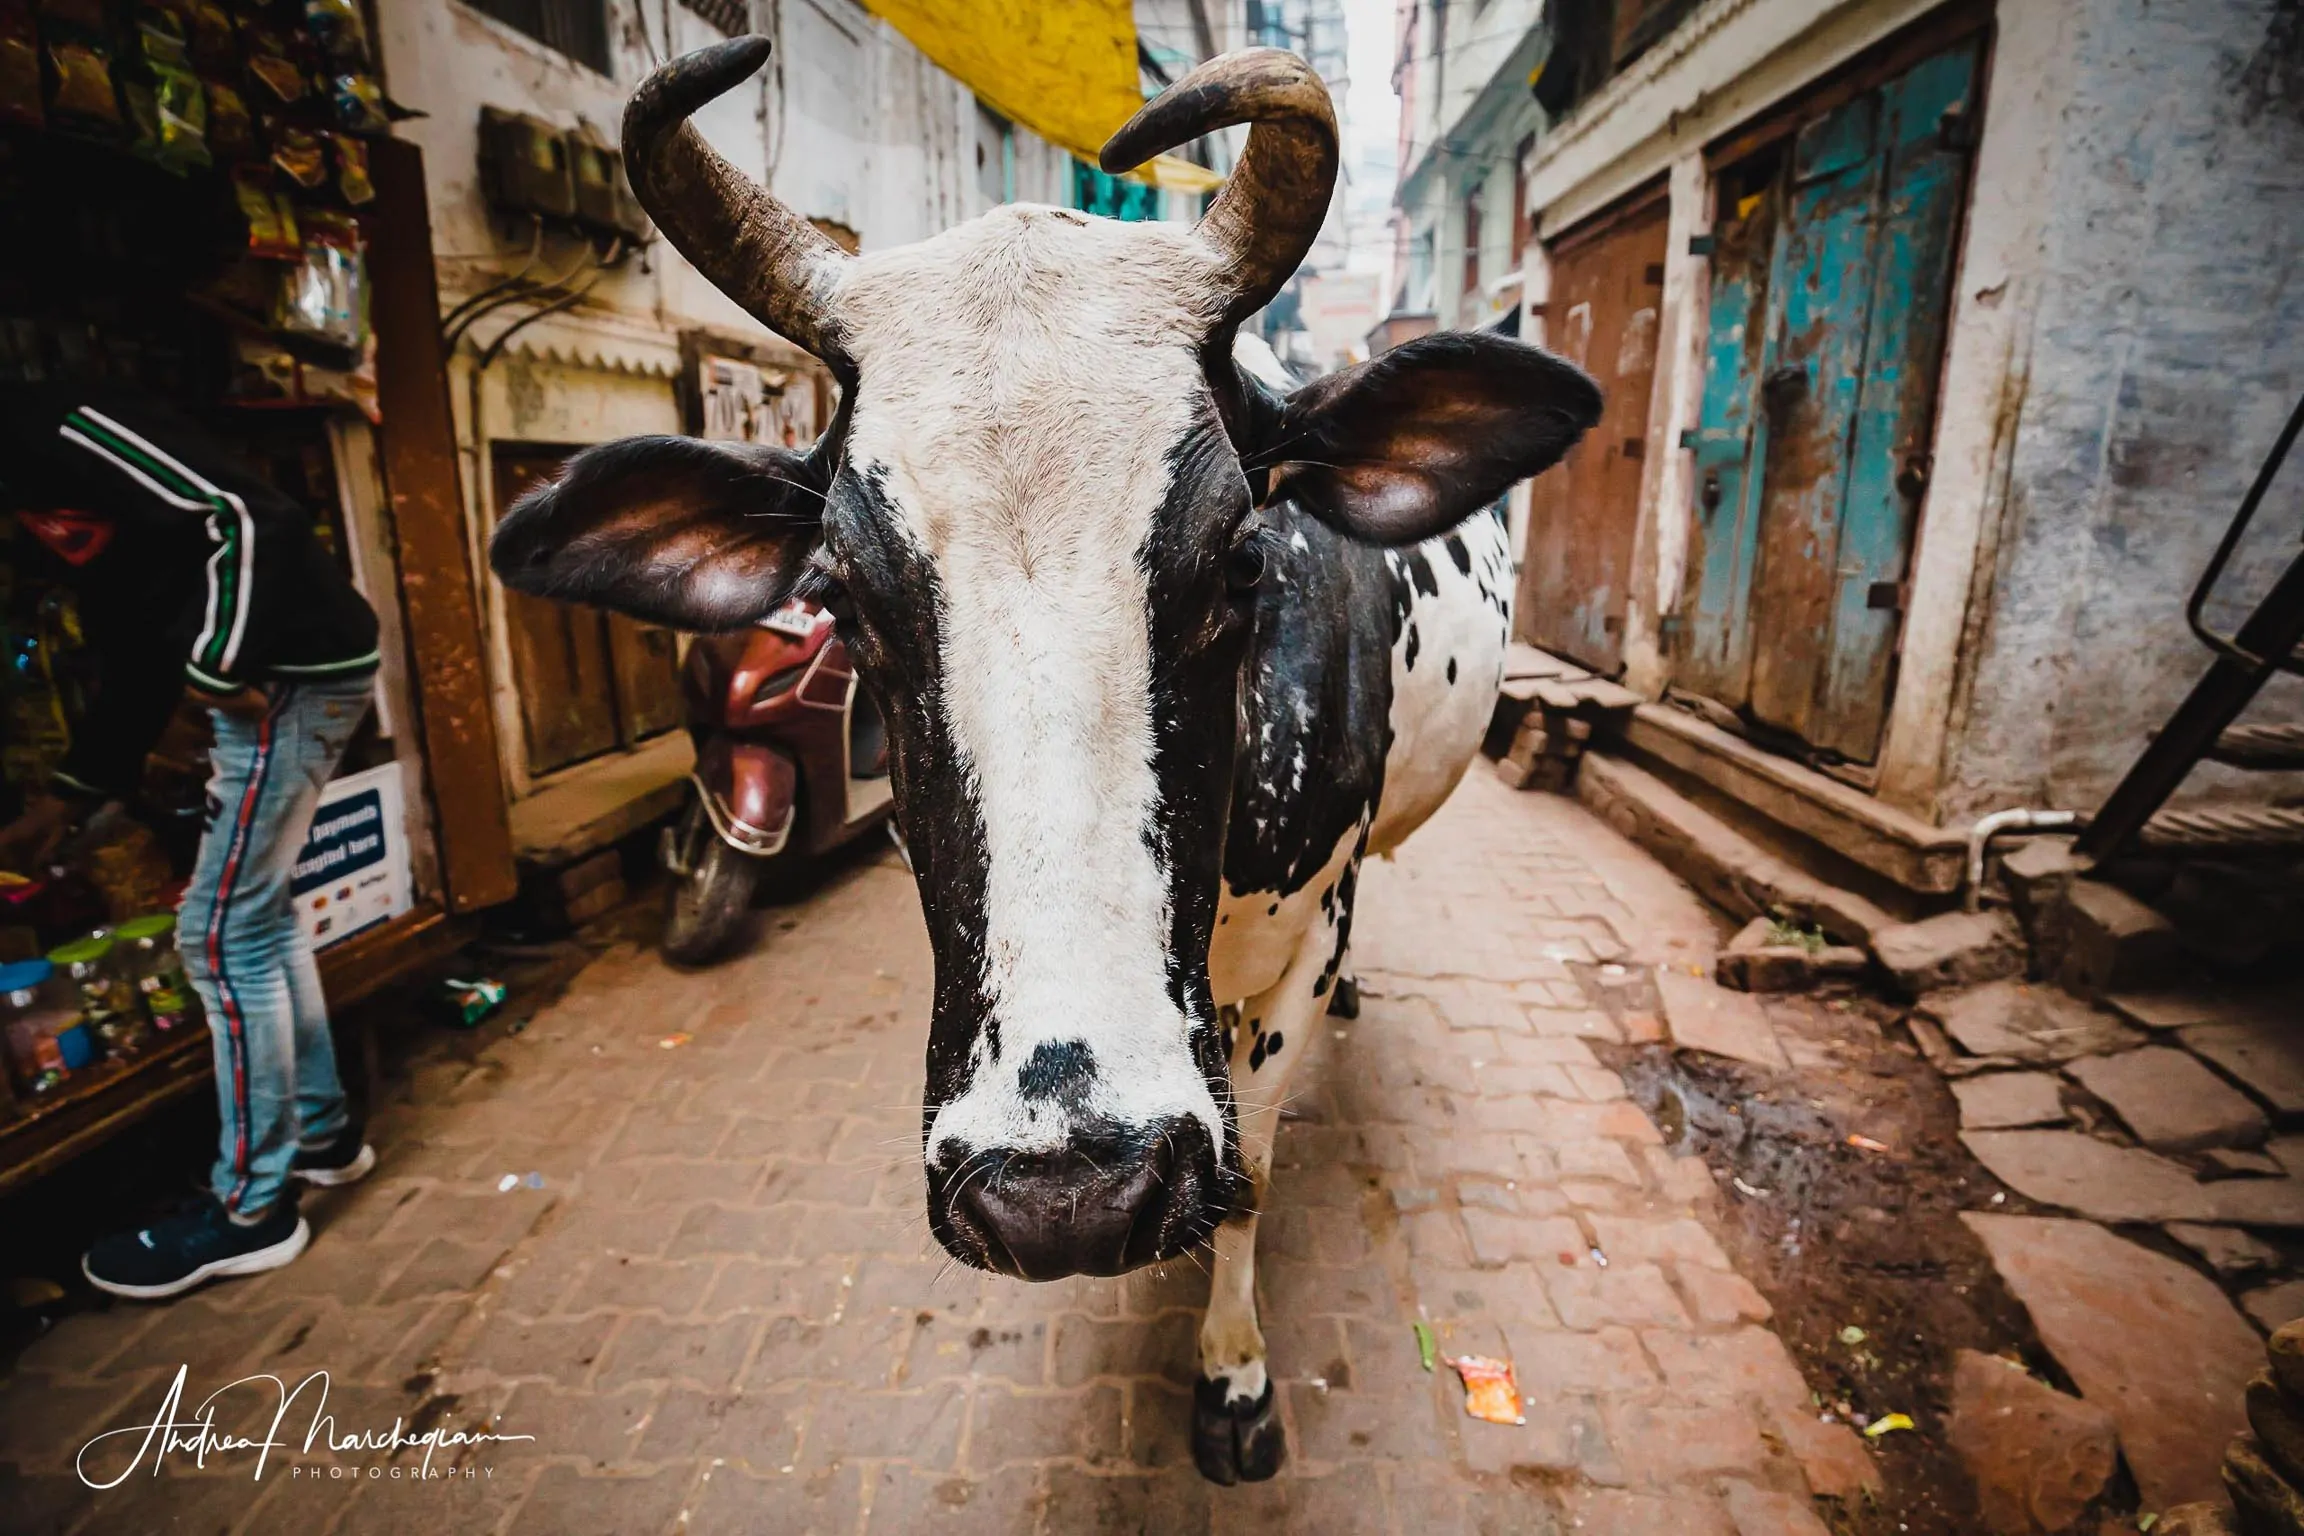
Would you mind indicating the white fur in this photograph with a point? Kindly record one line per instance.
(1436, 725)
(1268, 961)
(1024, 377)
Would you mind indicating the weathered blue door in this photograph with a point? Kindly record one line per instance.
(1812, 442)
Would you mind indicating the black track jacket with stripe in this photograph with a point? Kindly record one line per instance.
(212, 577)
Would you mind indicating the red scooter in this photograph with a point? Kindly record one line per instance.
(791, 759)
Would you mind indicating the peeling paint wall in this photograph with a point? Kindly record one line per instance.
(2166, 348)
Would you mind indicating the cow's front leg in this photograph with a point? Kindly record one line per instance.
(1236, 1431)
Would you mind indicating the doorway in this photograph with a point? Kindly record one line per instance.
(1830, 296)
(589, 682)
(1576, 572)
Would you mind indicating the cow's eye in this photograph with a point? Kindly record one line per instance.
(1244, 566)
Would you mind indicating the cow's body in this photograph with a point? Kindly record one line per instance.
(1371, 679)
(1165, 648)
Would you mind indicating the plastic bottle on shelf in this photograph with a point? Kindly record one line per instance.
(107, 999)
(157, 971)
(43, 1030)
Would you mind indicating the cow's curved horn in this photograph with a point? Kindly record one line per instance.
(754, 249)
(1270, 212)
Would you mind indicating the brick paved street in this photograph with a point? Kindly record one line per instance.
(722, 1312)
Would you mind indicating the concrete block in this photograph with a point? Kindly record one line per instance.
(2115, 943)
(1751, 964)
(1952, 949)
(2038, 875)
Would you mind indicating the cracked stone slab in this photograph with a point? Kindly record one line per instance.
(2143, 1336)
(2268, 1058)
(2039, 1026)
(2276, 1306)
(2227, 1250)
(2113, 1183)
(2001, 1101)
(1706, 1017)
(2171, 1101)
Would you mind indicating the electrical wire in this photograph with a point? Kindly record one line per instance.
(535, 252)
(455, 333)
(494, 349)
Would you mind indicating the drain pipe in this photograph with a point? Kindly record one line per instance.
(1980, 837)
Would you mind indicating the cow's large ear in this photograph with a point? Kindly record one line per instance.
(1409, 444)
(699, 536)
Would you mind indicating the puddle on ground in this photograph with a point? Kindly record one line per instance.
(1874, 1280)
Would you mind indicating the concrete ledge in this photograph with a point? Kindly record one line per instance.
(1893, 844)
(1726, 867)
(594, 804)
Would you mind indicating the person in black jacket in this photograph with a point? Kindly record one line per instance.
(194, 573)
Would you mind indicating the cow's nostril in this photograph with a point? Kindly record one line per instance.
(1102, 1205)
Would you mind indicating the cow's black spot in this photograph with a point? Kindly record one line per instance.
(1458, 553)
(1451, 671)
(1272, 910)
(1057, 1070)
(1256, 1057)
(1412, 644)
(1272, 1043)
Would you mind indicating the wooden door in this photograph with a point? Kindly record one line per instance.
(589, 682)
(1577, 570)
(1830, 297)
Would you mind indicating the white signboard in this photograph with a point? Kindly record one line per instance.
(353, 870)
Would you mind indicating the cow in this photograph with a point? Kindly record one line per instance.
(1166, 649)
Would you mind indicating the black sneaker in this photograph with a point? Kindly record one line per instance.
(193, 1246)
(344, 1160)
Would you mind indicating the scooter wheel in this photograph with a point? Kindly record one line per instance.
(709, 904)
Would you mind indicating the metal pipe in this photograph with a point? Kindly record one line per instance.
(1980, 837)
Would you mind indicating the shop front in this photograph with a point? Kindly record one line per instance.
(207, 212)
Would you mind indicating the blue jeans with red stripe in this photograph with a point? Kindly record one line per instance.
(276, 1082)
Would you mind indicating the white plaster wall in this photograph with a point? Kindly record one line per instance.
(2164, 348)
(2127, 335)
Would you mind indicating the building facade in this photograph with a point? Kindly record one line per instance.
(561, 335)
(1941, 342)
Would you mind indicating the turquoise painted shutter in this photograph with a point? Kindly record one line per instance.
(1926, 115)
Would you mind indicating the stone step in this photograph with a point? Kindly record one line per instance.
(1732, 871)
(1894, 845)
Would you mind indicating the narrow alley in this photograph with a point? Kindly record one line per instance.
(673, 1232)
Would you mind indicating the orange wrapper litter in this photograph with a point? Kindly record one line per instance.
(1491, 1391)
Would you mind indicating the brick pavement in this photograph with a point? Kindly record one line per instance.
(722, 1311)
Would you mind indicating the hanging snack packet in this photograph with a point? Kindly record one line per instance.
(20, 65)
(231, 133)
(337, 27)
(183, 119)
(83, 96)
(208, 27)
(324, 296)
(297, 155)
(276, 75)
(352, 178)
(160, 38)
(271, 222)
(358, 102)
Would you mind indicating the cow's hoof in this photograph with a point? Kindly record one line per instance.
(1235, 1442)
(1344, 999)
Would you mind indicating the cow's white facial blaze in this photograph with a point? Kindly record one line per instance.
(1024, 381)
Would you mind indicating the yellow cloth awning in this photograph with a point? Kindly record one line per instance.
(1066, 69)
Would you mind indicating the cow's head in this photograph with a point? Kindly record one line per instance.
(1036, 514)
